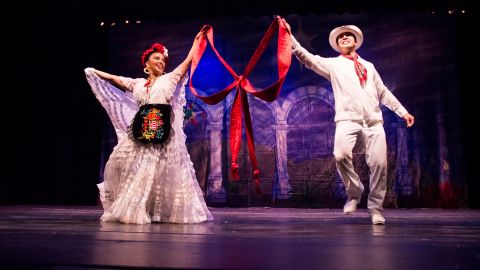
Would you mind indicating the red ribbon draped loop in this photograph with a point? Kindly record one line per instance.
(243, 86)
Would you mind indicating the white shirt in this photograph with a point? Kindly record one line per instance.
(352, 101)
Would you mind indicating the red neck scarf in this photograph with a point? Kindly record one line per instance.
(359, 68)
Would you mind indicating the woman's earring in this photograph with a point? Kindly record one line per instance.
(146, 70)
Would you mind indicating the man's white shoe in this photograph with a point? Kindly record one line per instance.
(378, 219)
(351, 205)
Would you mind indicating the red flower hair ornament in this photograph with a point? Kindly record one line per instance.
(156, 47)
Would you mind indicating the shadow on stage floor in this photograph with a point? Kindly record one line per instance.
(67, 237)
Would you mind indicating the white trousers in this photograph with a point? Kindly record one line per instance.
(373, 135)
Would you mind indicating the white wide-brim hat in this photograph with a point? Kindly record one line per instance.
(342, 29)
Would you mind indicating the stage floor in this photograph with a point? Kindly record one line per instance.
(69, 237)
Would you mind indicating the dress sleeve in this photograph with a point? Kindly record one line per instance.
(129, 82)
(120, 106)
(173, 79)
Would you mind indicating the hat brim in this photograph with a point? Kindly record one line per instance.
(342, 29)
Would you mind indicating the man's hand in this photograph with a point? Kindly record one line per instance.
(409, 119)
(289, 29)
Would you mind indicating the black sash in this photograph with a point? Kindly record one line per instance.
(152, 123)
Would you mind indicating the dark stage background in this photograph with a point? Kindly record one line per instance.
(56, 135)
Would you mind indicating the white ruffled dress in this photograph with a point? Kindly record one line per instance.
(153, 182)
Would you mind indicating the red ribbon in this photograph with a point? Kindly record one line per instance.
(243, 86)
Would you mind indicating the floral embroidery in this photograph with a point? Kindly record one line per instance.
(152, 126)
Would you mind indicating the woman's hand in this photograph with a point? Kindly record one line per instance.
(186, 63)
